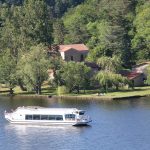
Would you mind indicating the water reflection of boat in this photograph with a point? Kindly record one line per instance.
(47, 116)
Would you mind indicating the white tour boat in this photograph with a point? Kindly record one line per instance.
(47, 116)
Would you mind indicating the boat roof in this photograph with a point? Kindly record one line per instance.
(43, 110)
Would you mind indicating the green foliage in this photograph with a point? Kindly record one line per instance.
(10, 30)
(75, 22)
(109, 79)
(148, 75)
(59, 7)
(25, 26)
(110, 64)
(98, 43)
(8, 69)
(62, 90)
(141, 40)
(108, 76)
(33, 68)
(75, 76)
(37, 21)
(105, 26)
(117, 33)
(58, 32)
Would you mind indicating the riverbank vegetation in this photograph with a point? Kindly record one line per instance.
(116, 32)
(89, 94)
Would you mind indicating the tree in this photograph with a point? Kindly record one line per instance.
(108, 75)
(60, 7)
(37, 21)
(99, 42)
(108, 79)
(33, 68)
(141, 40)
(75, 23)
(104, 26)
(75, 76)
(8, 70)
(58, 32)
(109, 64)
(10, 30)
(148, 75)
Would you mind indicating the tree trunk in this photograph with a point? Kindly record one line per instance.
(21, 85)
(78, 90)
(38, 89)
(11, 92)
(117, 87)
(106, 88)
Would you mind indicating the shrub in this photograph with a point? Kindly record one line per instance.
(62, 90)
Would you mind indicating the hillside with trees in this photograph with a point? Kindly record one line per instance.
(110, 28)
(118, 27)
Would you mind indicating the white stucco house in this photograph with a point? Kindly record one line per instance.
(73, 52)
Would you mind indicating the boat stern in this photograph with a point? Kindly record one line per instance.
(7, 116)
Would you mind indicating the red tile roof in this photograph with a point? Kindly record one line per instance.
(78, 47)
(132, 75)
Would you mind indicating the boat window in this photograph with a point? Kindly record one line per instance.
(55, 117)
(81, 113)
(51, 117)
(44, 117)
(70, 116)
(36, 117)
(28, 117)
(59, 117)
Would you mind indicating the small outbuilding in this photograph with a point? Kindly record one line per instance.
(136, 78)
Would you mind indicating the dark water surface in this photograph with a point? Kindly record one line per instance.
(117, 125)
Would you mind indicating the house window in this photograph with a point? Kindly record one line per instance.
(82, 57)
(71, 58)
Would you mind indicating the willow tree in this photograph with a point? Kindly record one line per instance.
(108, 75)
(111, 64)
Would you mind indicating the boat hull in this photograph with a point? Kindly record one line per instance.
(49, 123)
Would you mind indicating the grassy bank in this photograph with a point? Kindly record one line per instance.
(136, 92)
(90, 94)
(46, 90)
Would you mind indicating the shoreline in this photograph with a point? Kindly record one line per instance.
(99, 97)
(89, 95)
(66, 97)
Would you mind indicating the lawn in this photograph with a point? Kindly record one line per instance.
(138, 91)
(46, 90)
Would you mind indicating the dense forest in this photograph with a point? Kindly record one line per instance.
(110, 28)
